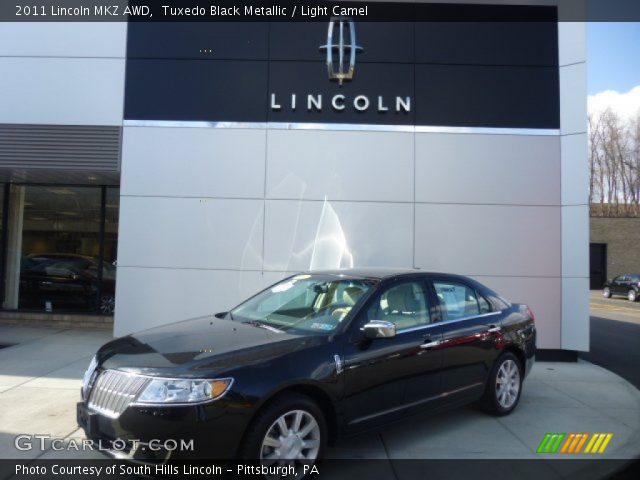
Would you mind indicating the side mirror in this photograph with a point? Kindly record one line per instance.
(221, 314)
(379, 329)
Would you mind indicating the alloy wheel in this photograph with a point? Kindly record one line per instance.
(107, 304)
(631, 295)
(606, 293)
(508, 384)
(295, 435)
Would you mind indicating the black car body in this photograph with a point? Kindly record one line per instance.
(627, 285)
(351, 378)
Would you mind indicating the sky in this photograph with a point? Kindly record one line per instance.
(613, 66)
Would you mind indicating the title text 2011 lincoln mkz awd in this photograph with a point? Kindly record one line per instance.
(310, 358)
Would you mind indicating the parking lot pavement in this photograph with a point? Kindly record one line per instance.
(615, 336)
(614, 308)
(40, 379)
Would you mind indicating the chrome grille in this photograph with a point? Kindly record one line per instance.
(114, 391)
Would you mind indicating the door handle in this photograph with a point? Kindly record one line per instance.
(494, 329)
(430, 343)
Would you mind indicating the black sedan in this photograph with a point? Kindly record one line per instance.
(311, 358)
(627, 285)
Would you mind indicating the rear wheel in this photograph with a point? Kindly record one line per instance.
(504, 386)
(290, 430)
(606, 293)
(632, 295)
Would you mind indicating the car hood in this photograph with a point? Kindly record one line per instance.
(200, 347)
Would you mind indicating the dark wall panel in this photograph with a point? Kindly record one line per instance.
(462, 95)
(468, 74)
(223, 90)
(237, 40)
(487, 43)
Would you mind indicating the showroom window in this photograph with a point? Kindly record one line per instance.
(60, 246)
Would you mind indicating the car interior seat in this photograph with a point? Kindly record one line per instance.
(405, 307)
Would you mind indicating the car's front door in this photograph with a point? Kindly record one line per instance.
(620, 284)
(377, 371)
(616, 284)
(470, 330)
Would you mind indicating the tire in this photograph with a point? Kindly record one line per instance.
(268, 425)
(632, 295)
(496, 400)
(606, 292)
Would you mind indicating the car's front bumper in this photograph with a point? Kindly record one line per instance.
(155, 434)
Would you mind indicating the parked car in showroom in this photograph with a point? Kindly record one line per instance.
(627, 285)
(312, 358)
(68, 282)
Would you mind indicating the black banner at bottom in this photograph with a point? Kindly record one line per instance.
(329, 469)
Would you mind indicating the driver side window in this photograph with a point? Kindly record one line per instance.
(405, 305)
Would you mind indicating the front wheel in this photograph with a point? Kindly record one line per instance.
(632, 295)
(504, 386)
(606, 293)
(291, 429)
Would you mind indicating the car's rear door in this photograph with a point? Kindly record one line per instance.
(470, 328)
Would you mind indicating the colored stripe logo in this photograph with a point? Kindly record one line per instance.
(574, 443)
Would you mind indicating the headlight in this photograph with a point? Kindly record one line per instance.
(86, 379)
(176, 390)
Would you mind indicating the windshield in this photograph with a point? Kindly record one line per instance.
(305, 303)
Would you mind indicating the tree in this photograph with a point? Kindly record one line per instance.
(614, 165)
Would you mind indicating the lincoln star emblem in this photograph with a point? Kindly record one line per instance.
(344, 47)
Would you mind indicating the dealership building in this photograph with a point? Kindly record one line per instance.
(209, 160)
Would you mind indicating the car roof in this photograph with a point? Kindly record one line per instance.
(59, 255)
(379, 273)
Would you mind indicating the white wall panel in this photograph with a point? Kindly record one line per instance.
(311, 164)
(304, 235)
(63, 39)
(572, 44)
(575, 169)
(543, 295)
(488, 240)
(573, 99)
(575, 314)
(190, 233)
(193, 162)
(491, 169)
(148, 297)
(575, 241)
(67, 91)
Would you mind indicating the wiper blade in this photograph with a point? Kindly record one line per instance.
(256, 323)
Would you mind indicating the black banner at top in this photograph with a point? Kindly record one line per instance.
(309, 11)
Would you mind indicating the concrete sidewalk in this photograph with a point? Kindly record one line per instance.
(40, 379)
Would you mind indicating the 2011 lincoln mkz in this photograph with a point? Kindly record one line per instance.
(309, 359)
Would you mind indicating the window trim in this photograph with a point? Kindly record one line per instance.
(444, 322)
